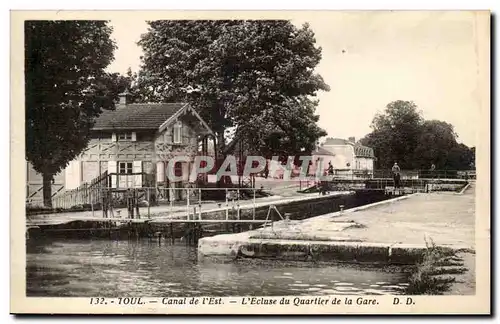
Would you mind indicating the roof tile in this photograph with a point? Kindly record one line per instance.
(137, 116)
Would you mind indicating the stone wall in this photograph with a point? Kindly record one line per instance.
(301, 209)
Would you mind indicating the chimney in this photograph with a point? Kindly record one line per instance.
(352, 139)
(124, 98)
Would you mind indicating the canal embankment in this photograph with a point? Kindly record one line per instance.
(432, 232)
(389, 231)
(197, 220)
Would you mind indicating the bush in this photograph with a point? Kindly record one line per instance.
(428, 278)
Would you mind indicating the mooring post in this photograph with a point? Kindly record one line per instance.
(172, 233)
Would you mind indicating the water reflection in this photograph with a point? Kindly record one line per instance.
(143, 268)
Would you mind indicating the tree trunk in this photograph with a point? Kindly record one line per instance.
(47, 189)
(224, 181)
(221, 144)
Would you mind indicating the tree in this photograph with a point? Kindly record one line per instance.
(65, 89)
(436, 141)
(115, 83)
(255, 75)
(400, 134)
(461, 157)
(395, 134)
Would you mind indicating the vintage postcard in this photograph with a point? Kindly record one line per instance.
(250, 162)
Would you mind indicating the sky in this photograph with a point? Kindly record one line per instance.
(371, 59)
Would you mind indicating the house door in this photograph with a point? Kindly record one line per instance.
(178, 194)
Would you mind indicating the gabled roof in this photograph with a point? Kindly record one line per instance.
(147, 116)
(137, 116)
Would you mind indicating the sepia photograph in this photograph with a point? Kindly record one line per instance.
(320, 162)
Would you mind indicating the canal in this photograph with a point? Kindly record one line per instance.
(107, 268)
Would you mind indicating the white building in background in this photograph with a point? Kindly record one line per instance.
(348, 156)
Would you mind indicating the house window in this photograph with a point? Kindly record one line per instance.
(178, 169)
(125, 137)
(125, 167)
(177, 136)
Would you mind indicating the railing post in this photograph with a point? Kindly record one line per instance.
(227, 207)
(199, 203)
(103, 207)
(238, 204)
(149, 202)
(170, 199)
(253, 217)
(91, 204)
(187, 207)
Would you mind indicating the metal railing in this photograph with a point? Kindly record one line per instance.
(186, 203)
(427, 174)
(89, 193)
(384, 178)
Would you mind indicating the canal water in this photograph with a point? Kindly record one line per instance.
(106, 268)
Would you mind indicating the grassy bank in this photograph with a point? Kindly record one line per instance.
(434, 274)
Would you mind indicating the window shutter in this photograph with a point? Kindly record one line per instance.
(177, 133)
(134, 137)
(113, 137)
(73, 175)
(137, 168)
(160, 171)
(112, 169)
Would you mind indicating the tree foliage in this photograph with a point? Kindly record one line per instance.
(255, 75)
(400, 134)
(65, 89)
